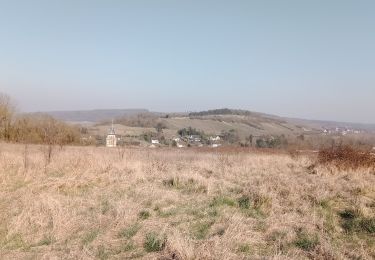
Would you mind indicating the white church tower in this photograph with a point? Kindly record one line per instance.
(111, 140)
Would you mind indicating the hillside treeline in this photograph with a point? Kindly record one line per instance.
(221, 111)
(36, 128)
(145, 120)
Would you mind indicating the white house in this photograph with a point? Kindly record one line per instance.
(111, 140)
(155, 141)
(194, 138)
(215, 138)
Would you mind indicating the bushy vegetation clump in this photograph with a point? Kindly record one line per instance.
(272, 142)
(346, 157)
(190, 131)
(35, 128)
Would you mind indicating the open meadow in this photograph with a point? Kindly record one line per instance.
(129, 203)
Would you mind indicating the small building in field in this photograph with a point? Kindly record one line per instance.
(111, 140)
(194, 138)
(215, 138)
(155, 141)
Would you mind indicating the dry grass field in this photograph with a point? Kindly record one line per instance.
(98, 203)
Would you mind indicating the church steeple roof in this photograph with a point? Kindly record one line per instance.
(112, 130)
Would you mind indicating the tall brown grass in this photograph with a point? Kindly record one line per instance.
(94, 203)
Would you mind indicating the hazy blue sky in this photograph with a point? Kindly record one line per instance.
(310, 59)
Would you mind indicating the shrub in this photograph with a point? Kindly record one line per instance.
(160, 126)
(260, 143)
(44, 129)
(272, 142)
(190, 131)
(230, 136)
(346, 157)
(7, 109)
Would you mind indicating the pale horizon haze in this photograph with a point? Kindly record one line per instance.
(303, 59)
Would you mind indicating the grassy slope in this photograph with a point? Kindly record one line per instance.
(90, 203)
(210, 125)
(243, 125)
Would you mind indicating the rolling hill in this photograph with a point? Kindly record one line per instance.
(212, 122)
(94, 116)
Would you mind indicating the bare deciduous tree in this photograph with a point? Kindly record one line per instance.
(23, 135)
(49, 135)
(121, 151)
(7, 109)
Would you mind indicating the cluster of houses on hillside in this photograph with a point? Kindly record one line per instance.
(196, 140)
(112, 140)
(341, 131)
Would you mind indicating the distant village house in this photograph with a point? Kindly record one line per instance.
(155, 141)
(111, 140)
(215, 138)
